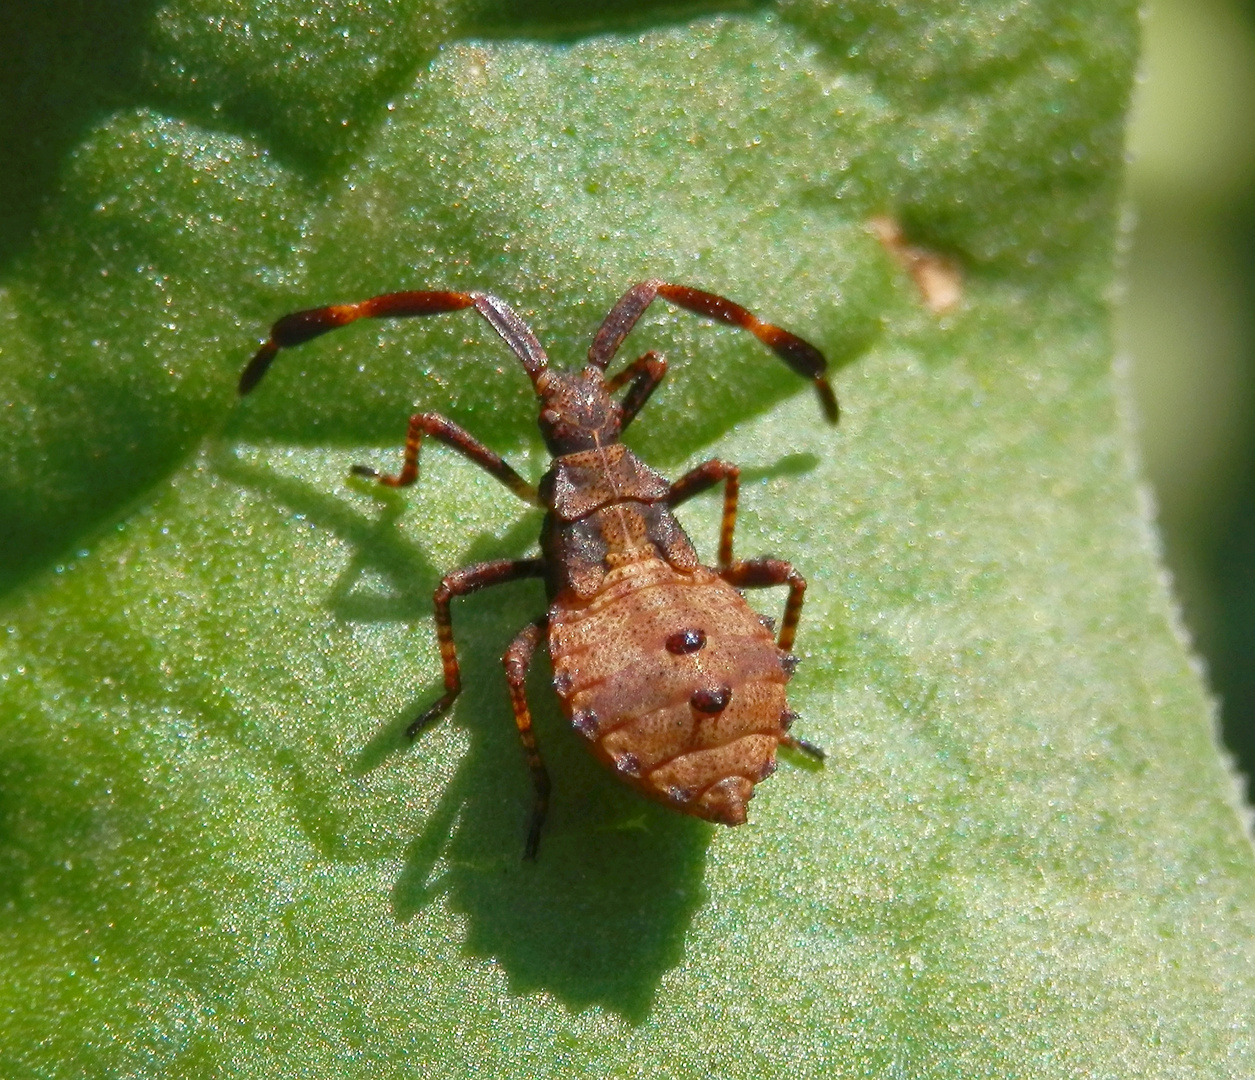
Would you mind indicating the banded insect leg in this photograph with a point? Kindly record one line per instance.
(459, 583)
(458, 438)
(644, 373)
(816, 753)
(763, 573)
(517, 659)
(705, 476)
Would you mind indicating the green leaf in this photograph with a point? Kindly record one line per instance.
(219, 854)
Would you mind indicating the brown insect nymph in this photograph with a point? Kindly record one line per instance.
(659, 662)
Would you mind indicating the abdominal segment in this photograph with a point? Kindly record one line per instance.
(676, 684)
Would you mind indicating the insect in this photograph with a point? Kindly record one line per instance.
(660, 664)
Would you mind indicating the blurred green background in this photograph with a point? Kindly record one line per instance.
(1187, 323)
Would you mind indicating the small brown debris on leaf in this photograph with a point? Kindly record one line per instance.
(938, 277)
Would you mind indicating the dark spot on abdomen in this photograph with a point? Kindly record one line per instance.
(711, 700)
(684, 642)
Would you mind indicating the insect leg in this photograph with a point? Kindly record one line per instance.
(803, 747)
(644, 373)
(517, 659)
(764, 572)
(800, 355)
(301, 326)
(467, 580)
(707, 475)
(461, 440)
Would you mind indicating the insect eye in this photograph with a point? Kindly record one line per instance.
(686, 641)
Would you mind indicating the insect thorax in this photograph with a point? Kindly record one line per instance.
(607, 508)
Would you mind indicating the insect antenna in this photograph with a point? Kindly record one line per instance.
(301, 326)
(799, 354)
(514, 332)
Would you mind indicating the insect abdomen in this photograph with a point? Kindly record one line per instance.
(675, 682)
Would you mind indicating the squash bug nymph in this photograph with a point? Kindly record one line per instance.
(660, 664)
